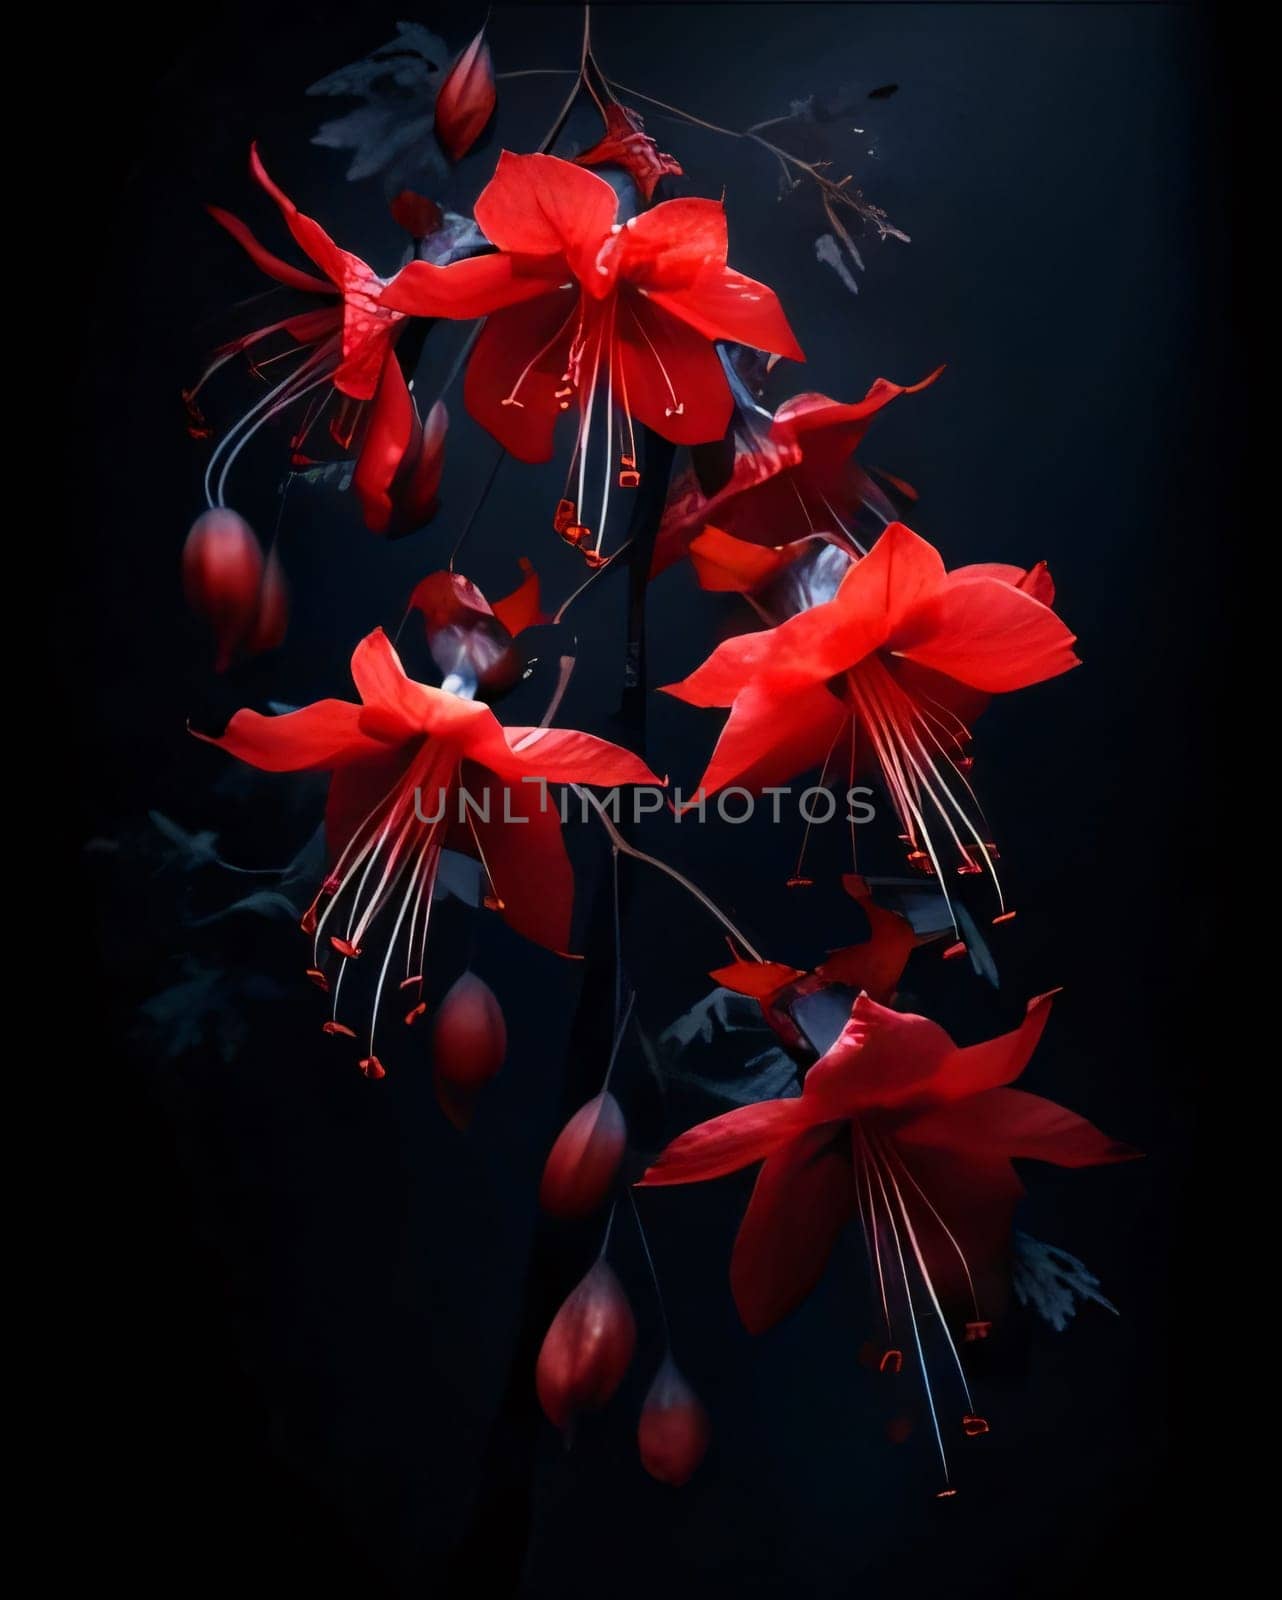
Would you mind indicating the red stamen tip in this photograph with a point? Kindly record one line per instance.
(629, 479)
(973, 1426)
(800, 883)
(407, 982)
(492, 902)
(977, 1330)
(965, 763)
(338, 1028)
(565, 513)
(345, 947)
(411, 1017)
(954, 950)
(575, 533)
(307, 922)
(945, 1494)
(1006, 916)
(891, 1361)
(969, 869)
(372, 1067)
(595, 558)
(318, 978)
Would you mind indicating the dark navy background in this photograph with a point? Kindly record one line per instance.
(302, 1287)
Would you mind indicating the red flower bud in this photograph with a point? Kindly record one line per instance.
(583, 1162)
(418, 215)
(469, 1043)
(466, 99)
(222, 569)
(272, 622)
(673, 1431)
(587, 1349)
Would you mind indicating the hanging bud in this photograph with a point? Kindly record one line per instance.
(584, 1161)
(466, 100)
(673, 1431)
(587, 1349)
(469, 1043)
(222, 570)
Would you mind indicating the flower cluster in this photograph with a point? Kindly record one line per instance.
(602, 298)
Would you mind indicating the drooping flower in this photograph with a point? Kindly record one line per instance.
(626, 144)
(885, 669)
(414, 771)
(347, 340)
(791, 479)
(915, 1136)
(472, 642)
(466, 99)
(616, 318)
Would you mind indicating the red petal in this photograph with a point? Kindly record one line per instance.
(995, 1061)
(772, 737)
(522, 608)
(670, 375)
(403, 707)
(559, 755)
(315, 242)
(526, 860)
(515, 370)
(801, 1201)
(877, 965)
(391, 426)
(471, 288)
(757, 979)
(880, 1060)
(1010, 1123)
(264, 260)
(737, 1139)
(672, 244)
(726, 305)
(627, 145)
(989, 635)
(542, 206)
(465, 101)
(726, 565)
(323, 735)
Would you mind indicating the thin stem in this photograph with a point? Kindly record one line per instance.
(618, 1041)
(621, 844)
(654, 1276)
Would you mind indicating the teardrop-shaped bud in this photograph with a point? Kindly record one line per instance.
(582, 1164)
(222, 570)
(469, 1043)
(587, 1349)
(673, 1431)
(466, 100)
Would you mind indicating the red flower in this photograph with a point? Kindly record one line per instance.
(796, 479)
(618, 317)
(416, 770)
(349, 337)
(898, 1125)
(626, 144)
(883, 668)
